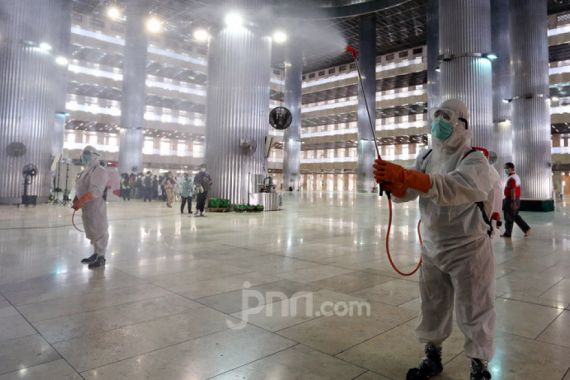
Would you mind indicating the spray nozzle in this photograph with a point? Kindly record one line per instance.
(352, 51)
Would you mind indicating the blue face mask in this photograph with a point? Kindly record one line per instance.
(86, 158)
(441, 129)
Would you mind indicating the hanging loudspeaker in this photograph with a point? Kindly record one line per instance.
(280, 118)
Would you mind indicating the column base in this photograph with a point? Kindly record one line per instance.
(17, 201)
(538, 205)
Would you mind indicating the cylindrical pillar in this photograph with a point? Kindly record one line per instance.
(30, 92)
(432, 34)
(501, 46)
(464, 39)
(62, 48)
(239, 65)
(292, 135)
(134, 89)
(531, 108)
(367, 62)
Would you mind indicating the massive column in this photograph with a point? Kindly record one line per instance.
(501, 46)
(464, 39)
(239, 65)
(293, 98)
(367, 61)
(29, 91)
(134, 89)
(63, 33)
(432, 34)
(531, 109)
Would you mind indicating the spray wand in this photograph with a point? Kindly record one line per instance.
(354, 53)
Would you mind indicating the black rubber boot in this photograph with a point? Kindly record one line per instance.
(479, 370)
(90, 259)
(429, 367)
(100, 262)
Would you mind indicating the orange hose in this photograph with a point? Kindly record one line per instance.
(73, 222)
(388, 243)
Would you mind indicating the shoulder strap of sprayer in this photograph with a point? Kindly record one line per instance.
(423, 163)
(480, 205)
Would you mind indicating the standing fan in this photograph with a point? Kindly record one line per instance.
(29, 172)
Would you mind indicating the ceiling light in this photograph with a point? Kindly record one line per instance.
(279, 37)
(44, 46)
(233, 20)
(154, 24)
(114, 13)
(61, 60)
(490, 56)
(201, 35)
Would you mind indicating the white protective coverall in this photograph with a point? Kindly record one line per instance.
(94, 180)
(458, 261)
(497, 185)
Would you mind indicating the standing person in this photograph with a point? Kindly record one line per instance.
(186, 188)
(140, 186)
(132, 185)
(162, 192)
(512, 202)
(147, 187)
(169, 183)
(155, 187)
(202, 182)
(125, 187)
(453, 184)
(90, 187)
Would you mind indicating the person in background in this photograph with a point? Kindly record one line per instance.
(178, 189)
(186, 186)
(90, 187)
(169, 184)
(125, 187)
(147, 186)
(132, 185)
(512, 202)
(155, 187)
(139, 186)
(202, 184)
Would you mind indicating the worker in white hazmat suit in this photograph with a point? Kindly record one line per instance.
(90, 188)
(455, 190)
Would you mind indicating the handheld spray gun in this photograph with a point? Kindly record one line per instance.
(354, 53)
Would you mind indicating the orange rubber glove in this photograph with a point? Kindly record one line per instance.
(397, 189)
(385, 171)
(496, 216)
(80, 202)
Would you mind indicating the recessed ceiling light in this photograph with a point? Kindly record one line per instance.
(279, 37)
(233, 20)
(154, 24)
(201, 35)
(114, 13)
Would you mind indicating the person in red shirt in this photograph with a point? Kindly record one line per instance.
(512, 202)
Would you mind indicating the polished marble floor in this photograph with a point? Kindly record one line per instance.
(170, 301)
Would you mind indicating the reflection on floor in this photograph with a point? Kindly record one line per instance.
(169, 303)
